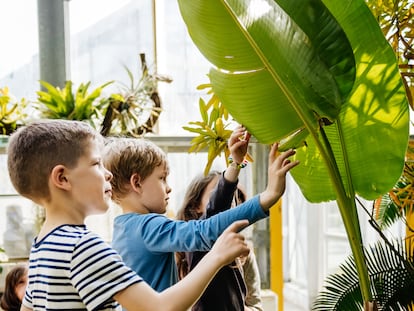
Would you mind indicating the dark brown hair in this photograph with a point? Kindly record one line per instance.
(193, 195)
(189, 211)
(9, 301)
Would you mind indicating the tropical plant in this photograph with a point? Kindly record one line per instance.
(288, 67)
(213, 132)
(56, 103)
(397, 23)
(391, 265)
(396, 19)
(12, 112)
(136, 108)
(396, 203)
(391, 273)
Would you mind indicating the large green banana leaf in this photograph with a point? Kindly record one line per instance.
(283, 66)
(320, 75)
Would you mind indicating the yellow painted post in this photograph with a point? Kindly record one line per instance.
(408, 233)
(409, 214)
(276, 252)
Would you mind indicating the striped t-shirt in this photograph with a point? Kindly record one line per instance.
(73, 268)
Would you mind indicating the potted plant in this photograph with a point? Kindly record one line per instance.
(69, 104)
(12, 112)
(135, 109)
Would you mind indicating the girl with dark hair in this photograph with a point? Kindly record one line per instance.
(232, 289)
(14, 288)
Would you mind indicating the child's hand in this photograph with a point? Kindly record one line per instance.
(238, 144)
(231, 244)
(279, 165)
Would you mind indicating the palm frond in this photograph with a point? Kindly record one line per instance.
(391, 273)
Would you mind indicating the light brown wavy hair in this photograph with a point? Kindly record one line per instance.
(125, 156)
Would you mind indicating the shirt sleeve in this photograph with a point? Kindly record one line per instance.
(220, 199)
(161, 234)
(252, 280)
(98, 273)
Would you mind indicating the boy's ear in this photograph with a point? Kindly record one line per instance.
(135, 182)
(58, 177)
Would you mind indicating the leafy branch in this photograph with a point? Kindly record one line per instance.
(12, 112)
(212, 131)
(57, 103)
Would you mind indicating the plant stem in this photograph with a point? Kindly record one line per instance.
(347, 207)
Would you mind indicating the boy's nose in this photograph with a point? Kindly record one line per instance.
(108, 175)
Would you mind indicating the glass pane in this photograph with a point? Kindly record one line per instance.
(6, 187)
(20, 219)
(295, 234)
(333, 220)
(179, 58)
(338, 250)
(19, 59)
(107, 36)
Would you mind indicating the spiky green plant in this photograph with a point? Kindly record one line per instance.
(12, 112)
(212, 131)
(69, 104)
(391, 273)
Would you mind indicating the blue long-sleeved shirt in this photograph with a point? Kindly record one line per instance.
(147, 242)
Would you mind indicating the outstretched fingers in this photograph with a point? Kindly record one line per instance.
(231, 243)
(280, 163)
(238, 144)
(287, 164)
(237, 135)
(237, 226)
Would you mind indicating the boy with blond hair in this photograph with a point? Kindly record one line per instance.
(144, 237)
(58, 165)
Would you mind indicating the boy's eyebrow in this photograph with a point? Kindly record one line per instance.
(96, 158)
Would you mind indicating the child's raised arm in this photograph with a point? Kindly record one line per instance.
(238, 144)
(185, 293)
(279, 165)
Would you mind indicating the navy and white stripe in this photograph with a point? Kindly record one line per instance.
(73, 268)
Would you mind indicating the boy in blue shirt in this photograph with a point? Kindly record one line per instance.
(58, 165)
(144, 237)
